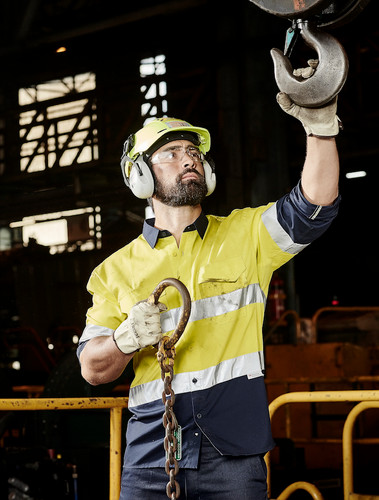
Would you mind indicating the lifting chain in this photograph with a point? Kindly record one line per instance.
(166, 356)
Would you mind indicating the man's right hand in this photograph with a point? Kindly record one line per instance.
(141, 329)
(320, 122)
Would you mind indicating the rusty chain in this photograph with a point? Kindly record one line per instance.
(166, 360)
(166, 356)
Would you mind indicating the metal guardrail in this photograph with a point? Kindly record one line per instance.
(115, 405)
(357, 382)
(347, 450)
(336, 309)
(366, 399)
(315, 319)
(281, 322)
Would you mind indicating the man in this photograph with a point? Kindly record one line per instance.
(226, 263)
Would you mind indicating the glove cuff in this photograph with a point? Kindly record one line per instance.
(125, 342)
(324, 129)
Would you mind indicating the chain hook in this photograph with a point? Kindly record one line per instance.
(153, 298)
(166, 356)
(329, 76)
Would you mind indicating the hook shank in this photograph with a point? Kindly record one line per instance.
(186, 308)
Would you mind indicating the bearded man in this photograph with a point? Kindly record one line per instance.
(226, 263)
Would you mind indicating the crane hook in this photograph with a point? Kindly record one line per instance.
(329, 76)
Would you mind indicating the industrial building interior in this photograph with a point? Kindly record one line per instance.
(78, 77)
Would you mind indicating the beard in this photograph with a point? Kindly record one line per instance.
(187, 193)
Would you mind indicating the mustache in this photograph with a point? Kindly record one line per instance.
(189, 171)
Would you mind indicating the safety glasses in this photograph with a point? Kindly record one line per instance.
(176, 153)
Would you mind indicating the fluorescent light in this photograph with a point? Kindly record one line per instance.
(355, 175)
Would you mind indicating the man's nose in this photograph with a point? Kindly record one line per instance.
(188, 160)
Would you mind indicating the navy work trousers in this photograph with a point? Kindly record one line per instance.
(217, 478)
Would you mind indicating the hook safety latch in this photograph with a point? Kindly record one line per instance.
(329, 76)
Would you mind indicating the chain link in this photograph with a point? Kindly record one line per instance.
(166, 355)
(166, 358)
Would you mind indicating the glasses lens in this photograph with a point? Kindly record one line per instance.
(194, 153)
(177, 154)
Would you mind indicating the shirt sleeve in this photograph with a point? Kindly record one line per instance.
(105, 314)
(303, 221)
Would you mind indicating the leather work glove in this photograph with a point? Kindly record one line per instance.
(321, 122)
(141, 328)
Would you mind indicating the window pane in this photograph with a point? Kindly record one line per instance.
(45, 125)
(153, 87)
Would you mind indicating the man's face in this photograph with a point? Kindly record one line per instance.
(178, 174)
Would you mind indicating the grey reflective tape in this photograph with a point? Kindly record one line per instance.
(215, 306)
(200, 309)
(316, 212)
(278, 234)
(91, 331)
(248, 365)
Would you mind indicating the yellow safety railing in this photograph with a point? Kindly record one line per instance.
(366, 399)
(347, 448)
(115, 405)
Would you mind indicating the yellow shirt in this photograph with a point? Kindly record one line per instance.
(218, 369)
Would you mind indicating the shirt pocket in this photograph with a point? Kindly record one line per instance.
(219, 278)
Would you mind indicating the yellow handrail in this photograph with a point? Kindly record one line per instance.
(347, 448)
(301, 485)
(115, 405)
(366, 399)
(320, 397)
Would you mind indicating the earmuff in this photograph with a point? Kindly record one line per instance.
(140, 180)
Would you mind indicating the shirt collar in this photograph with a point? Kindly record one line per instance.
(151, 233)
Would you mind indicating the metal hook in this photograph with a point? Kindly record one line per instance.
(329, 76)
(186, 309)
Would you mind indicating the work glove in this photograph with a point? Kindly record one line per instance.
(141, 328)
(321, 122)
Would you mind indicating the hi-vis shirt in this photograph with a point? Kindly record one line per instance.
(226, 263)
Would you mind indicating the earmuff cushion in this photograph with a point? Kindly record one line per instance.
(210, 174)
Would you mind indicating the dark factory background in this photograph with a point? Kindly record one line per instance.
(77, 77)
